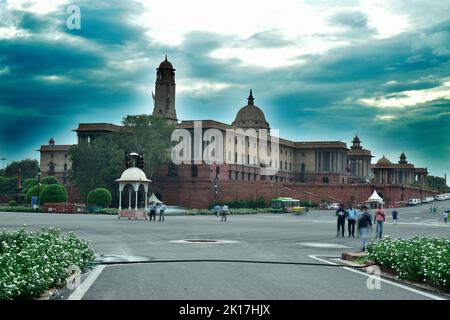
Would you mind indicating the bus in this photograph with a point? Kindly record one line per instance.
(286, 204)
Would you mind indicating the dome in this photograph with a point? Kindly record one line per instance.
(250, 116)
(384, 162)
(165, 64)
(133, 175)
(51, 141)
(356, 139)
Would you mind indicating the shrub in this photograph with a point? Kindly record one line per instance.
(53, 193)
(32, 262)
(28, 183)
(243, 203)
(49, 180)
(17, 209)
(421, 258)
(33, 192)
(13, 203)
(100, 197)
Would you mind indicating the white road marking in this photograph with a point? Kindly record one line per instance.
(323, 245)
(425, 294)
(80, 291)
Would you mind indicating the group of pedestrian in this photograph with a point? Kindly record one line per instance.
(155, 208)
(363, 221)
(222, 211)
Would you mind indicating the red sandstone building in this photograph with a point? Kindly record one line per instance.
(320, 171)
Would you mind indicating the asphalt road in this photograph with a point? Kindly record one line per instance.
(266, 238)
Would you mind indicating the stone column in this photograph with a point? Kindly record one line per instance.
(120, 199)
(129, 200)
(136, 203)
(145, 201)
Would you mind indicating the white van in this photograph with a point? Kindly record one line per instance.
(414, 202)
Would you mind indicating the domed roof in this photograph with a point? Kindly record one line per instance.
(250, 116)
(356, 139)
(384, 162)
(133, 174)
(165, 64)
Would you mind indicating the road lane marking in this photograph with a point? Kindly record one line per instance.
(80, 291)
(425, 294)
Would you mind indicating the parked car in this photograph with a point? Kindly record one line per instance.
(333, 206)
(440, 197)
(427, 199)
(414, 202)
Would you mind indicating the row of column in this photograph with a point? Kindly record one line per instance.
(333, 161)
(129, 199)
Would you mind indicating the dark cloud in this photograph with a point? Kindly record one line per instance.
(48, 84)
(350, 19)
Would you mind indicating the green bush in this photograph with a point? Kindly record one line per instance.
(421, 258)
(13, 203)
(28, 183)
(17, 209)
(100, 197)
(48, 180)
(111, 211)
(33, 192)
(32, 262)
(53, 193)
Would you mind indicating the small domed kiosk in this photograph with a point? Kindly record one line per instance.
(133, 178)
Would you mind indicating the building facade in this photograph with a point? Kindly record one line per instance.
(314, 170)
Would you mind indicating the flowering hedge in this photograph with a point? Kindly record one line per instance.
(32, 262)
(421, 258)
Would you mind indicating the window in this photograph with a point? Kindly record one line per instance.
(52, 155)
(249, 175)
(194, 170)
(243, 175)
(51, 168)
(285, 165)
(65, 166)
(229, 174)
(290, 166)
(325, 180)
(302, 168)
(236, 175)
(65, 155)
(217, 172)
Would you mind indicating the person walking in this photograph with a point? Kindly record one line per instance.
(379, 219)
(152, 211)
(162, 208)
(223, 212)
(341, 214)
(364, 226)
(395, 216)
(217, 210)
(445, 214)
(352, 215)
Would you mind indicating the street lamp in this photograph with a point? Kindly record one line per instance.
(216, 190)
(38, 176)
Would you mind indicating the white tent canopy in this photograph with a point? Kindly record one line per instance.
(375, 198)
(154, 199)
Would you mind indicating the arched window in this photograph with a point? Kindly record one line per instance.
(217, 172)
(51, 168)
(194, 170)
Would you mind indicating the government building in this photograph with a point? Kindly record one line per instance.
(318, 171)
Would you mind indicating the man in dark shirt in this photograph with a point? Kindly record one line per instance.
(341, 214)
(364, 226)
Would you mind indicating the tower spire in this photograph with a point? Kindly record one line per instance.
(250, 98)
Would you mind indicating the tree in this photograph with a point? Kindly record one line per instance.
(28, 183)
(53, 193)
(101, 162)
(100, 196)
(97, 163)
(49, 180)
(148, 134)
(437, 183)
(8, 185)
(29, 168)
(33, 192)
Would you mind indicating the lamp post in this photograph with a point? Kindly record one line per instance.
(38, 176)
(216, 190)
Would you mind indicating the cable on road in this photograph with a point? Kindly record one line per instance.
(232, 261)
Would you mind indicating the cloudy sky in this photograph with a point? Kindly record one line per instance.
(320, 70)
